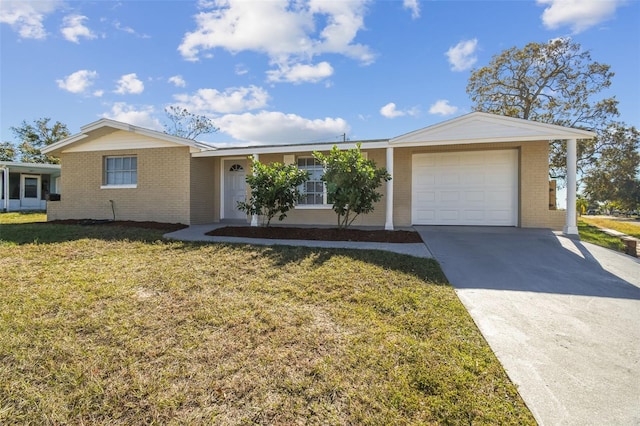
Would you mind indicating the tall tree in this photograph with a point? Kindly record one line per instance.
(33, 137)
(186, 124)
(555, 82)
(613, 178)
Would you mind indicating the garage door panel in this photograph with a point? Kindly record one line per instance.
(465, 188)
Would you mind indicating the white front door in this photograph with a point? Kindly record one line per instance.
(30, 191)
(465, 188)
(235, 188)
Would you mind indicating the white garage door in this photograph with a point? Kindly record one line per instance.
(465, 188)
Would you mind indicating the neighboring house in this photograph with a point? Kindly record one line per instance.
(27, 186)
(477, 169)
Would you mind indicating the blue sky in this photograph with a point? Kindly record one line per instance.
(282, 71)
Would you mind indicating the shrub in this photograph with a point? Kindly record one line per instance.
(352, 182)
(274, 190)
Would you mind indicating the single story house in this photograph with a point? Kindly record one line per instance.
(27, 186)
(477, 169)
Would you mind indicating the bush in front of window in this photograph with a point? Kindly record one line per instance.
(274, 190)
(352, 183)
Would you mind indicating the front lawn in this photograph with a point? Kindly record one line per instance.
(593, 234)
(626, 227)
(115, 325)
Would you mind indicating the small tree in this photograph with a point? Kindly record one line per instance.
(274, 190)
(352, 182)
(186, 124)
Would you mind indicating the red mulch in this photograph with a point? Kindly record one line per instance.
(169, 227)
(323, 234)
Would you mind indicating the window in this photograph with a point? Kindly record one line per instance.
(121, 172)
(313, 190)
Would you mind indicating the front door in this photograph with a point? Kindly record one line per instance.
(30, 192)
(235, 188)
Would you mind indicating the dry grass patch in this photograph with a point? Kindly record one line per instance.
(131, 331)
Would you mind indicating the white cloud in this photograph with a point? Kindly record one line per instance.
(98, 93)
(234, 99)
(305, 29)
(268, 127)
(129, 83)
(241, 69)
(73, 28)
(143, 117)
(26, 17)
(390, 111)
(413, 6)
(300, 73)
(577, 14)
(177, 80)
(118, 26)
(462, 55)
(78, 82)
(442, 107)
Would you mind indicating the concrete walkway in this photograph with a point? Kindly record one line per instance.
(197, 233)
(563, 317)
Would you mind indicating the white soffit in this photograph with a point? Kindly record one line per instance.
(480, 127)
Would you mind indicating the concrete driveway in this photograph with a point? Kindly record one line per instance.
(563, 317)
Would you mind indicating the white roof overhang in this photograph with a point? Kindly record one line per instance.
(105, 126)
(480, 127)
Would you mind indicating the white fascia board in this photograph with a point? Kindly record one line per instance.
(105, 122)
(29, 165)
(445, 133)
(283, 149)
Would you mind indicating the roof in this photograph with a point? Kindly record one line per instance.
(482, 127)
(30, 167)
(105, 126)
(475, 127)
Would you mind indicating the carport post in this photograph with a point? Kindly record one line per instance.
(388, 224)
(571, 226)
(254, 218)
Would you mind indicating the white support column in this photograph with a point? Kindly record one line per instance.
(388, 224)
(254, 218)
(5, 190)
(571, 226)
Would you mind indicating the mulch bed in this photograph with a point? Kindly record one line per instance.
(169, 227)
(321, 234)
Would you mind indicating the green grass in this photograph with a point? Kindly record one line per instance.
(107, 325)
(594, 235)
(632, 229)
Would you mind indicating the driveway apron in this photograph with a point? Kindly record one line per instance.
(562, 316)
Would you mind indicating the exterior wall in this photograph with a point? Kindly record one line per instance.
(205, 190)
(533, 188)
(161, 195)
(325, 215)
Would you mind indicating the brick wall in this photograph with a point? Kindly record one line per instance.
(205, 198)
(162, 192)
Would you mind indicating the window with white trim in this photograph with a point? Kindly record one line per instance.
(313, 191)
(120, 171)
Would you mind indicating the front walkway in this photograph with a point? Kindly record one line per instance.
(197, 233)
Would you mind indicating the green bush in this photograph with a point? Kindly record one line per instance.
(352, 182)
(274, 190)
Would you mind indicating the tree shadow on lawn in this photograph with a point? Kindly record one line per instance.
(279, 255)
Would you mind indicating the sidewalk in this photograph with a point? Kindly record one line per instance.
(197, 233)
